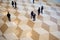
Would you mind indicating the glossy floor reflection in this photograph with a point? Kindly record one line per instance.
(22, 27)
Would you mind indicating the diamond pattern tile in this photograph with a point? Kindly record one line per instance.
(3, 28)
(22, 27)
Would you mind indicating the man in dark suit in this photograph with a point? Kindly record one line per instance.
(32, 14)
(34, 17)
(8, 15)
(15, 5)
(42, 9)
(39, 11)
(12, 3)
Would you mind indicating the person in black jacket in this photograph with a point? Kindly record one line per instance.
(34, 17)
(42, 9)
(15, 5)
(32, 14)
(12, 4)
(8, 15)
(39, 11)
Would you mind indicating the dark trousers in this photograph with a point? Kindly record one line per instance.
(41, 11)
(33, 19)
(38, 13)
(15, 6)
(9, 19)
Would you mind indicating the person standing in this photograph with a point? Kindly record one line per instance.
(8, 15)
(34, 17)
(39, 11)
(12, 4)
(15, 5)
(42, 9)
(32, 14)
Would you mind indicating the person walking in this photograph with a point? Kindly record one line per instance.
(32, 14)
(8, 15)
(15, 5)
(42, 9)
(34, 17)
(39, 11)
(12, 4)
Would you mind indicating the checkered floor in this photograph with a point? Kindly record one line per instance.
(22, 27)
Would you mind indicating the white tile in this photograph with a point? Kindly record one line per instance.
(10, 36)
(57, 18)
(52, 26)
(56, 34)
(11, 24)
(43, 34)
(25, 27)
(26, 38)
(23, 19)
(40, 30)
(1, 22)
(13, 17)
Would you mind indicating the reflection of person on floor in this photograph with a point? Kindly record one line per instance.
(34, 17)
(32, 14)
(39, 11)
(15, 5)
(42, 9)
(12, 4)
(8, 15)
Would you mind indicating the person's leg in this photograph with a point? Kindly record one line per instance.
(13, 5)
(38, 12)
(9, 19)
(33, 18)
(41, 11)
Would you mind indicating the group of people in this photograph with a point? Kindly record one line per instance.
(14, 4)
(33, 15)
(40, 10)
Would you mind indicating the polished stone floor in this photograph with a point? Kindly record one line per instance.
(22, 27)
